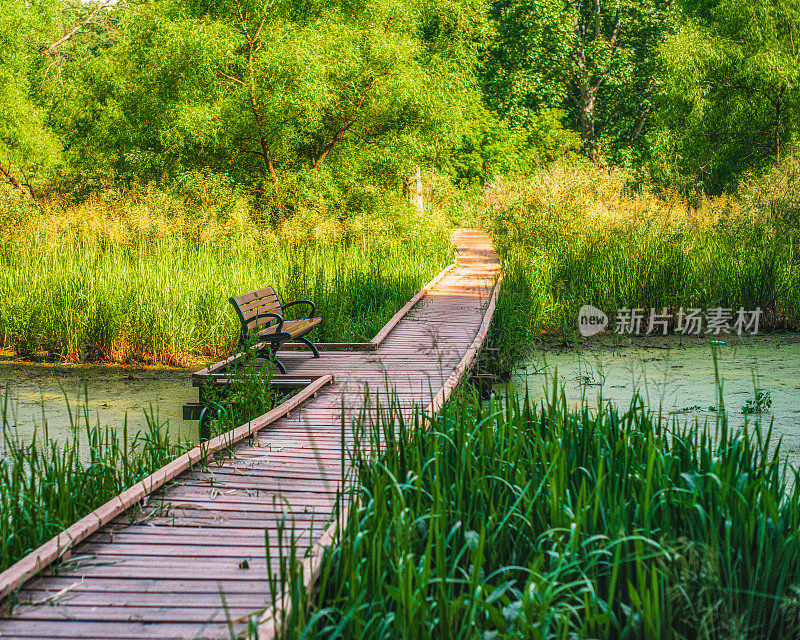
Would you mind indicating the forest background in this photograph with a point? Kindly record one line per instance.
(148, 146)
(290, 102)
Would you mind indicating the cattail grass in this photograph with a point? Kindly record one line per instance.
(571, 235)
(163, 299)
(511, 520)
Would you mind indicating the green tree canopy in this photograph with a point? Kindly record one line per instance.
(266, 90)
(733, 89)
(595, 59)
(28, 147)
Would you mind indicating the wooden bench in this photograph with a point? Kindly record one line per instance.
(262, 312)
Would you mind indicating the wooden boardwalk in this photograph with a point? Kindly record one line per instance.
(158, 571)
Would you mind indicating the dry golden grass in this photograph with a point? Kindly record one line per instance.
(583, 198)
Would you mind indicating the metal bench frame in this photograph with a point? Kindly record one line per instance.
(268, 342)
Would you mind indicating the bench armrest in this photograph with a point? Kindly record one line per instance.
(269, 314)
(313, 307)
(266, 314)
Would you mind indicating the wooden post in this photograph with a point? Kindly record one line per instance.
(412, 188)
(416, 194)
(205, 417)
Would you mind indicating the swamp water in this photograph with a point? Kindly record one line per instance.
(35, 391)
(676, 377)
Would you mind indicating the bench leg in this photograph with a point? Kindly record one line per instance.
(314, 349)
(271, 353)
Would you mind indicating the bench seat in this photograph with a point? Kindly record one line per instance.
(262, 323)
(295, 328)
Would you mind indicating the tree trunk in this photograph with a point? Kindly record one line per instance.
(412, 188)
(588, 133)
(347, 122)
(14, 182)
(639, 124)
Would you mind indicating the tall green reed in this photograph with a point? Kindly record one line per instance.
(247, 394)
(633, 251)
(46, 484)
(511, 520)
(162, 300)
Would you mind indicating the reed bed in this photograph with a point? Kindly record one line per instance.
(511, 520)
(47, 484)
(118, 283)
(572, 235)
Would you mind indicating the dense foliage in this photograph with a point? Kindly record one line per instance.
(598, 61)
(268, 95)
(291, 102)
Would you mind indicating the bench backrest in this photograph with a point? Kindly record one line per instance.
(249, 305)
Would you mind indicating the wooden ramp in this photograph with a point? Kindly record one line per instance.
(158, 571)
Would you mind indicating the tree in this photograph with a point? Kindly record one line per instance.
(270, 92)
(733, 93)
(594, 58)
(28, 147)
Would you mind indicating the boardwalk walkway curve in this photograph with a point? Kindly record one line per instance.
(158, 571)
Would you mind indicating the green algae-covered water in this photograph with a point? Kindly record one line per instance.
(37, 391)
(676, 377)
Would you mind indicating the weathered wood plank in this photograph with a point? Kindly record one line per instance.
(163, 568)
(56, 630)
